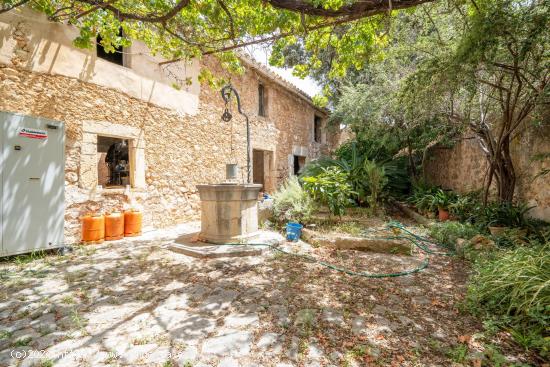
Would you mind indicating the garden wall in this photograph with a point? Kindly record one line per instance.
(463, 168)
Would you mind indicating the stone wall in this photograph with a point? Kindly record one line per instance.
(464, 168)
(29, 40)
(178, 151)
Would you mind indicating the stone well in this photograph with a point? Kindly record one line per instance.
(229, 212)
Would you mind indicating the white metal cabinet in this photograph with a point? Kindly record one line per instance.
(32, 192)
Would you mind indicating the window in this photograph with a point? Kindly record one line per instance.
(262, 100)
(113, 163)
(114, 57)
(317, 124)
(299, 163)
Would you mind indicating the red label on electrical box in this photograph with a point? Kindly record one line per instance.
(33, 133)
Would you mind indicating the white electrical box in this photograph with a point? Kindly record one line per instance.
(32, 187)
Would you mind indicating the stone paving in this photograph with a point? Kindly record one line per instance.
(135, 302)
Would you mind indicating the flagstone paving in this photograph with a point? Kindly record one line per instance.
(135, 302)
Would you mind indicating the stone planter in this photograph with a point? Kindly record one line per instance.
(347, 242)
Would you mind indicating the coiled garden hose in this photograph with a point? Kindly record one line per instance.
(418, 241)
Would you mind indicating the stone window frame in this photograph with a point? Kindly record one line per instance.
(317, 128)
(300, 151)
(88, 155)
(263, 100)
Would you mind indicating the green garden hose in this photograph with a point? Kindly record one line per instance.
(416, 240)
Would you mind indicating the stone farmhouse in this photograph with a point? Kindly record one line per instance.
(142, 131)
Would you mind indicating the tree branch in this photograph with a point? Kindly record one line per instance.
(148, 18)
(273, 38)
(231, 23)
(5, 10)
(364, 7)
(94, 8)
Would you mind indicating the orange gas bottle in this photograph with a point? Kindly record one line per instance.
(132, 223)
(114, 226)
(93, 228)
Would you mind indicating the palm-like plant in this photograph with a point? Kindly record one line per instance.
(360, 168)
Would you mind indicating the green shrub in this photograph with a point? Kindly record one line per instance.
(354, 159)
(421, 196)
(502, 214)
(446, 233)
(377, 180)
(332, 188)
(512, 287)
(291, 202)
(465, 206)
(441, 199)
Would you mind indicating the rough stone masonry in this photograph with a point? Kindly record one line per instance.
(172, 152)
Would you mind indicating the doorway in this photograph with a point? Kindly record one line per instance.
(299, 163)
(258, 167)
(262, 169)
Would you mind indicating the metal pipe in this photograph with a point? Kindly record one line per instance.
(226, 95)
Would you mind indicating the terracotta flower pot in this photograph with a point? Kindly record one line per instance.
(443, 214)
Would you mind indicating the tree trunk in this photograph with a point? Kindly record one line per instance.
(414, 173)
(501, 167)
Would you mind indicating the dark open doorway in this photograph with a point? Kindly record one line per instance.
(258, 167)
(299, 163)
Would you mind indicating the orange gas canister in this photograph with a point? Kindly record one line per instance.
(114, 226)
(93, 228)
(132, 223)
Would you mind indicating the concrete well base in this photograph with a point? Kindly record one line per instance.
(190, 245)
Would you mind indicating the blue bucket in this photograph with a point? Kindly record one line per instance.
(293, 231)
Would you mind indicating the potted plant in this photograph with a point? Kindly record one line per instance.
(501, 217)
(441, 201)
(422, 198)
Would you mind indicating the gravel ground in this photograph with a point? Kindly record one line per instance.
(135, 302)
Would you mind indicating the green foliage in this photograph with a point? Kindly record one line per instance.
(377, 180)
(22, 342)
(291, 202)
(469, 208)
(459, 353)
(503, 214)
(376, 147)
(398, 177)
(351, 228)
(210, 26)
(441, 199)
(46, 363)
(483, 77)
(422, 196)
(332, 188)
(464, 207)
(359, 161)
(512, 288)
(446, 233)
